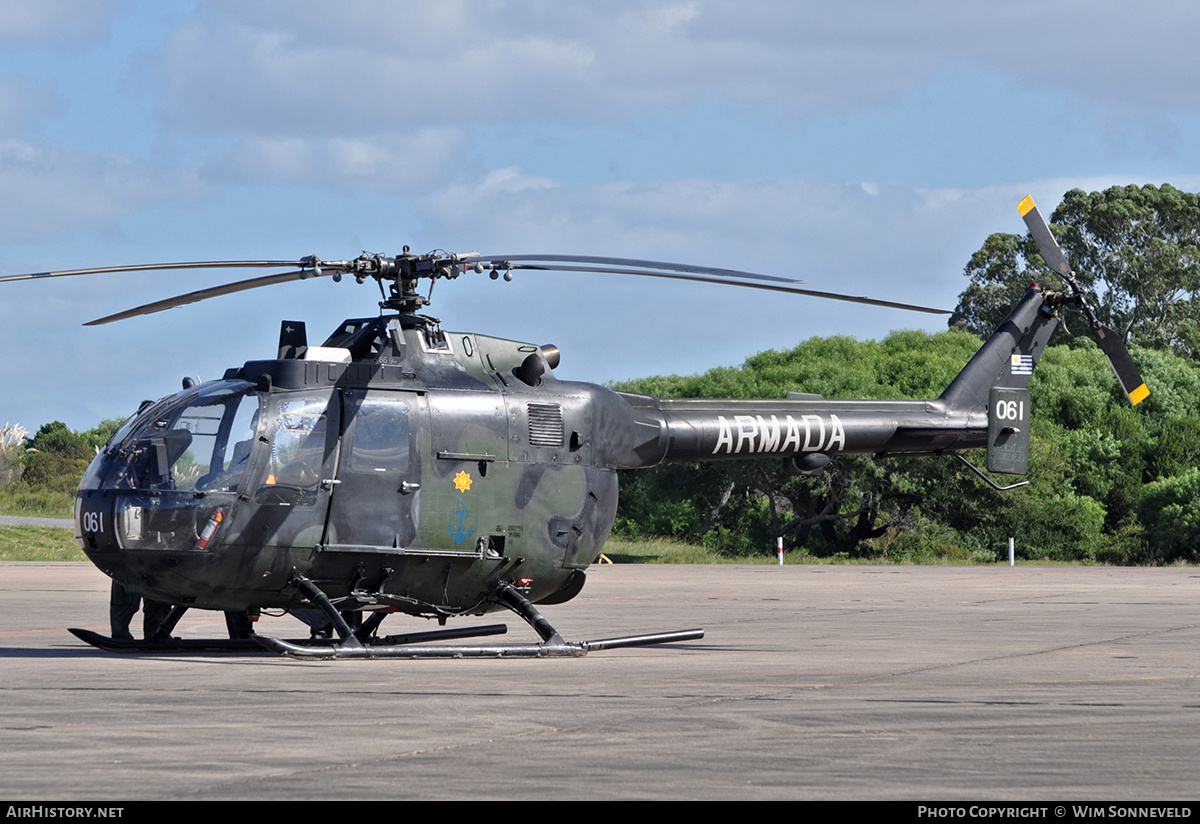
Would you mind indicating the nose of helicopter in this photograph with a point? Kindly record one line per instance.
(155, 501)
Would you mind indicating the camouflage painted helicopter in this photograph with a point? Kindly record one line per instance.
(398, 467)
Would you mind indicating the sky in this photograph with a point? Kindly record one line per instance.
(865, 147)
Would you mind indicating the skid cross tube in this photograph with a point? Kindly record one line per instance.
(314, 594)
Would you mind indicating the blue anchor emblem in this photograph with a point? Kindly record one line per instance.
(456, 526)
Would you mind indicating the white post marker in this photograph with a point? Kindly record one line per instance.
(779, 549)
(1012, 553)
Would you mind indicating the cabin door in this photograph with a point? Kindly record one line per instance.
(374, 503)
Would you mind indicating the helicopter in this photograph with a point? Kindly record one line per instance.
(401, 468)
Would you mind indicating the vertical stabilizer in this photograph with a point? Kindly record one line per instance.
(1008, 357)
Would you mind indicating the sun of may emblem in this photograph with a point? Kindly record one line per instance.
(462, 481)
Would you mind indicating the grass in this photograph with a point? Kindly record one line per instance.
(17, 500)
(34, 543)
(667, 551)
(38, 543)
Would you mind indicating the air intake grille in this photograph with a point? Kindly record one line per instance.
(545, 424)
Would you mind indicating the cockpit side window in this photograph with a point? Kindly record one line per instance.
(297, 452)
(230, 456)
(380, 437)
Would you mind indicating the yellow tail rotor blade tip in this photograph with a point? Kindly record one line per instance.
(1026, 205)
(1138, 395)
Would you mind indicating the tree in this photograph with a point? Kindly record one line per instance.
(54, 438)
(1135, 249)
(1109, 483)
(55, 458)
(1170, 511)
(740, 507)
(100, 434)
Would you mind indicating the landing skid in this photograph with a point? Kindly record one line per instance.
(552, 646)
(166, 645)
(255, 643)
(350, 644)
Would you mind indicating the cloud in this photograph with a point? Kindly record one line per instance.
(400, 163)
(886, 240)
(54, 190)
(894, 242)
(24, 102)
(378, 66)
(57, 23)
(889, 244)
(393, 96)
(493, 125)
(816, 222)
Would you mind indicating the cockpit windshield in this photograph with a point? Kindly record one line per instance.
(199, 442)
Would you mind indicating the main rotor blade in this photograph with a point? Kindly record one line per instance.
(626, 264)
(1042, 235)
(153, 267)
(211, 292)
(783, 286)
(313, 267)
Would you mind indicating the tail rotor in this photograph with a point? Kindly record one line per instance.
(1110, 342)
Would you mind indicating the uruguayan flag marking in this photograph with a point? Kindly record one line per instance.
(1022, 364)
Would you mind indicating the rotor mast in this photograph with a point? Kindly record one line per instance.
(402, 274)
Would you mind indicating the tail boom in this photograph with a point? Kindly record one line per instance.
(678, 430)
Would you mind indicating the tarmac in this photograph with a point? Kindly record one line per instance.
(21, 520)
(812, 682)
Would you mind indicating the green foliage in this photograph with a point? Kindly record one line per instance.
(1177, 449)
(55, 458)
(1065, 527)
(1170, 511)
(101, 433)
(737, 509)
(10, 466)
(54, 438)
(1000, 272)
(921, 539)
(39, 474)
(52, 472)
(1139, 247)
(1092, 459)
